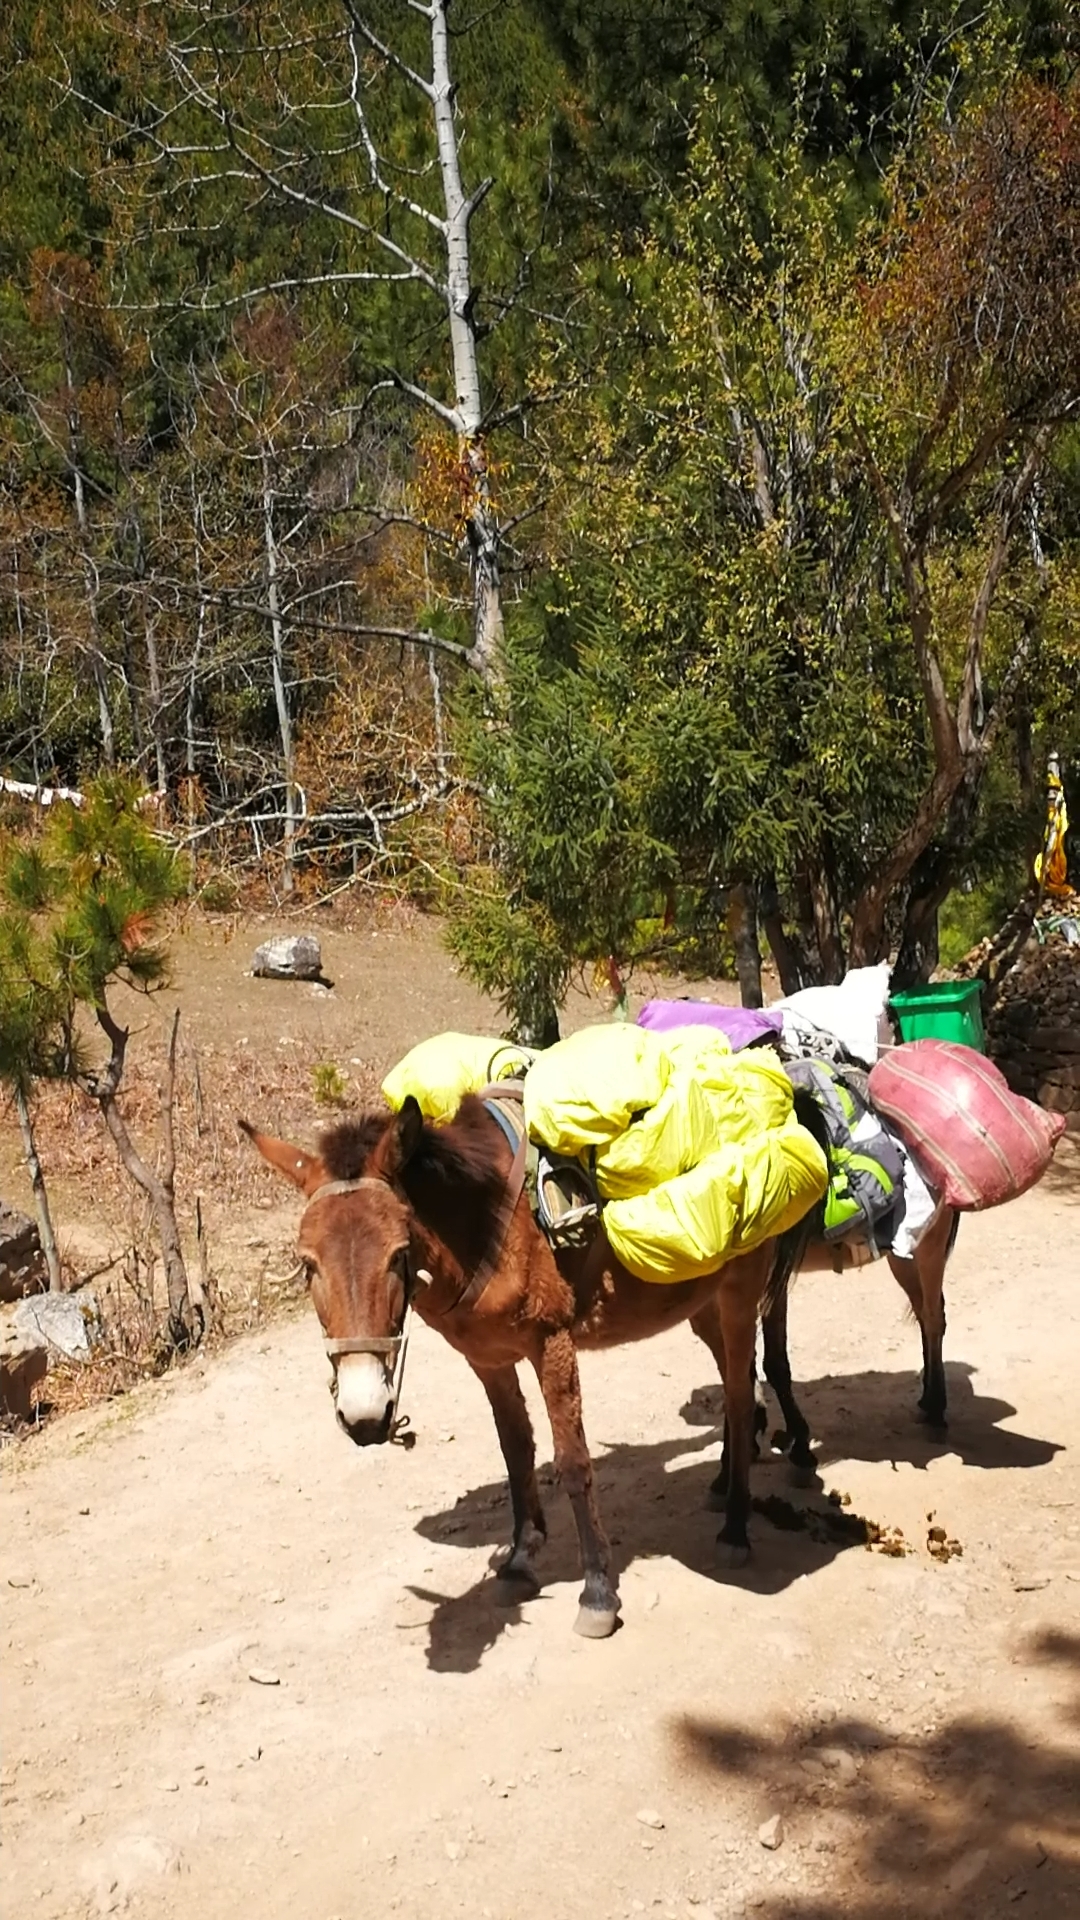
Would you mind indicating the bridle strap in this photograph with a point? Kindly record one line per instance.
(360, 1345)
(394, 1348)
(343, 1186)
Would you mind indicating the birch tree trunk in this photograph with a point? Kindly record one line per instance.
(82, 521)
(277, 655)
(481, 519)
(195, 663)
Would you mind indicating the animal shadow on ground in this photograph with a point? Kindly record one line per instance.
(654, 1501)
(972, 1819)
(872, 1416)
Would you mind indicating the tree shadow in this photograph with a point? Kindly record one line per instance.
(872, 1416)
(654, 1502)
(973, 1819)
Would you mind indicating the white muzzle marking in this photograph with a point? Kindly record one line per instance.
(363, 1391)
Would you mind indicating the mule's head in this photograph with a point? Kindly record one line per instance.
(354, 1241)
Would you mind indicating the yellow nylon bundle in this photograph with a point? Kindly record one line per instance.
(736, 1198)
(584, 1091)
(668, 1139)
(696, 1150)
(748, 1093)
(441, 1071)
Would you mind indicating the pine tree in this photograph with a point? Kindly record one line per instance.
(83, 904)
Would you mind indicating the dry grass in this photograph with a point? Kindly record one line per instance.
(243, 1251)
(214, 1087)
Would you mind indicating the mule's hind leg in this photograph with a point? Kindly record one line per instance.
(515, 1433)
(930, 1257)
(778, 1375)
(557, 1371)
(706, 1324)
(905, 1273)
(923, 1280)
(738, 1298)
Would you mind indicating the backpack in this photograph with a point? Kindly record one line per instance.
(865, 1192)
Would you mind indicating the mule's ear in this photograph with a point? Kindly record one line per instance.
(401, 1139)
(409, 1128)
(305, 1170)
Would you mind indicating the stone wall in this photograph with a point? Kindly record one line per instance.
(1033, 1032)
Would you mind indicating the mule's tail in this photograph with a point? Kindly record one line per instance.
(791, 1246)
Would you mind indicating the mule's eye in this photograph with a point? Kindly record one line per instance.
(308, 1268)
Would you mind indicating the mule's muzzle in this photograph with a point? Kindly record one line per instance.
(368, 1433)
(363, 1398)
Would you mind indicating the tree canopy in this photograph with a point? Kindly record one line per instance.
(615, 464)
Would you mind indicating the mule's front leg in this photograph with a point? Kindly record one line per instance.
(557, 1371)
(515, 1433)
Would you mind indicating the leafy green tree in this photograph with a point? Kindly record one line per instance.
(821, 501)
(571, 862)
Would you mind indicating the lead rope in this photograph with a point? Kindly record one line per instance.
(401, 1425)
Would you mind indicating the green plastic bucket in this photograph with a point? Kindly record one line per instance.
(943, 1010)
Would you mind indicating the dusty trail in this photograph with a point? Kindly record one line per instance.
(915, 1725)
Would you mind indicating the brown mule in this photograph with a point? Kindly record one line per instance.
(399, 1212)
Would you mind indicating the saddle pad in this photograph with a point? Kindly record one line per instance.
(972, 1137)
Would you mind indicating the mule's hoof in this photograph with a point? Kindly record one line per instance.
(801, 1475)
(935, 1418)
(730, 1556)
(512, 1589)
(596, 1623)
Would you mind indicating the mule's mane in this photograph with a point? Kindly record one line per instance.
(346, 1148)
(465, 1153)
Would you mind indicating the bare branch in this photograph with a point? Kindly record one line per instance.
(409, 636)
(478, 196)
(387, 53)
(375, 170)
(449, 415)
(995, 566)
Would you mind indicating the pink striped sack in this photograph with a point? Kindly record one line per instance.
(970, 1136)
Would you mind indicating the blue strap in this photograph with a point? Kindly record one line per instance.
(496, 1111)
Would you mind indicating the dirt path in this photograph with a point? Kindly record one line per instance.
(915, 1725)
